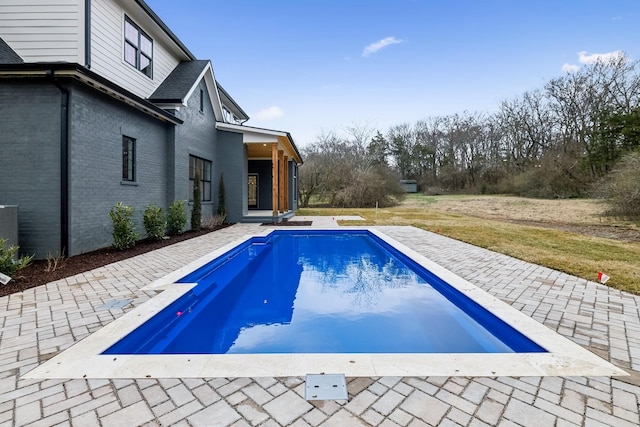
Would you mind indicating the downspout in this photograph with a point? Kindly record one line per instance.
(87, 34)
(64, 165)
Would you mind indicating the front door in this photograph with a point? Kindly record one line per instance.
(253, 191)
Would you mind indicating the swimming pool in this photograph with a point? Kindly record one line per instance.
(308, 291)
(85, 359)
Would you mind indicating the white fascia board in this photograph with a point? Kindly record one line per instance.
(249, 130)
(212, 90)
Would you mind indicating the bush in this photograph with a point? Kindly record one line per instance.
(155, 222)
(9, 263)
(214, 221)
(196, 211)
(222, 207)
(368, 187)
(621, 188)
(124, 234)
(177, 218)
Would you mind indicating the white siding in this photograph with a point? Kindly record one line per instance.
(107, 47)
(44, 30)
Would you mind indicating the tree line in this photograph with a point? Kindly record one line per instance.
(561, 140)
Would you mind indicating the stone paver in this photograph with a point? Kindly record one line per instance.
(38, 323)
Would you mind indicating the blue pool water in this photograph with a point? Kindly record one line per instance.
(320, 292)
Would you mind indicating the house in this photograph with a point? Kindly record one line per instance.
(99, 103)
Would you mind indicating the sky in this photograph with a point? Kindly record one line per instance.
(312, 67)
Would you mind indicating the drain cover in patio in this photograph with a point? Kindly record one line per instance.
(326, 387)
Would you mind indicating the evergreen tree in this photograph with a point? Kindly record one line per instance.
(196, 211)
(222, 208)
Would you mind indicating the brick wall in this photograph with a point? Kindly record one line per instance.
(197, 137)
(98, 125)
(231, 159)
(30, 161)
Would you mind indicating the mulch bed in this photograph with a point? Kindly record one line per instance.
(35, 274)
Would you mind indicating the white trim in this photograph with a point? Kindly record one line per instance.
(249, 129)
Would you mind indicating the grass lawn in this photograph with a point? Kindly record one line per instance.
(467, 218)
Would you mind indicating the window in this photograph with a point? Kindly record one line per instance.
(138, 48)
(226, 115)
(204, 166)
(201, 101)
(128, 159)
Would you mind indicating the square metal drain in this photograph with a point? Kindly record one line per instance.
(326, 387)
(115, 304)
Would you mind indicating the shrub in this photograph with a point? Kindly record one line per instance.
(222, 207)
(55, 261)
(124, 234)
(155, 222)
(214, 221)
(177, 218)
(621, 188)
(9, 262)
(196, 211)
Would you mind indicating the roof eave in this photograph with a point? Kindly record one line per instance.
(164, 28)
(282, 134)
(90, 78)
(239, 109)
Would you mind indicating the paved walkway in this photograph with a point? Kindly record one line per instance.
(38, 323)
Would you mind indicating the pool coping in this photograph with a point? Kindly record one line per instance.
(83, 360)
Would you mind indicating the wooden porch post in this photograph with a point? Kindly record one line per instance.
(274, 178)
(281, 180)
(286, 183)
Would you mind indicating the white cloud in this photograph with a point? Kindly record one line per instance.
(380, 44)
(592, 58)
(570, 68)
(270, 113)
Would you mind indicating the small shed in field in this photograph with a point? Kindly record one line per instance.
(409, 185)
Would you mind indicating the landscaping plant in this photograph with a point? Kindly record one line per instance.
(222, 207)
(9, 262)
(196, 211)
(124, 234)
(177, 217)
(155, 222)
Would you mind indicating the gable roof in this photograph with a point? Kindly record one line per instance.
(8, 55)
(178, 84)
(176, 89)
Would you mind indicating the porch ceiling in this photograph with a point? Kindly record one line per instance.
(261, 150)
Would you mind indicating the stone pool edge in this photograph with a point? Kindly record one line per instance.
(84, 359)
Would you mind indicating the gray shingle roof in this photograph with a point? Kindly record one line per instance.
(8, 55)
(177, 84)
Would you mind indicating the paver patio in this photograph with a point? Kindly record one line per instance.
(37, 324)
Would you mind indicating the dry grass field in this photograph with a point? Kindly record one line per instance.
(567, 235)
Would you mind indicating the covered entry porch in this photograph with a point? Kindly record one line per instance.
(271, 178)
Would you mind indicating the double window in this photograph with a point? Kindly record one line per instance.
(138, 48)
(128, 159)
(204, 167)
